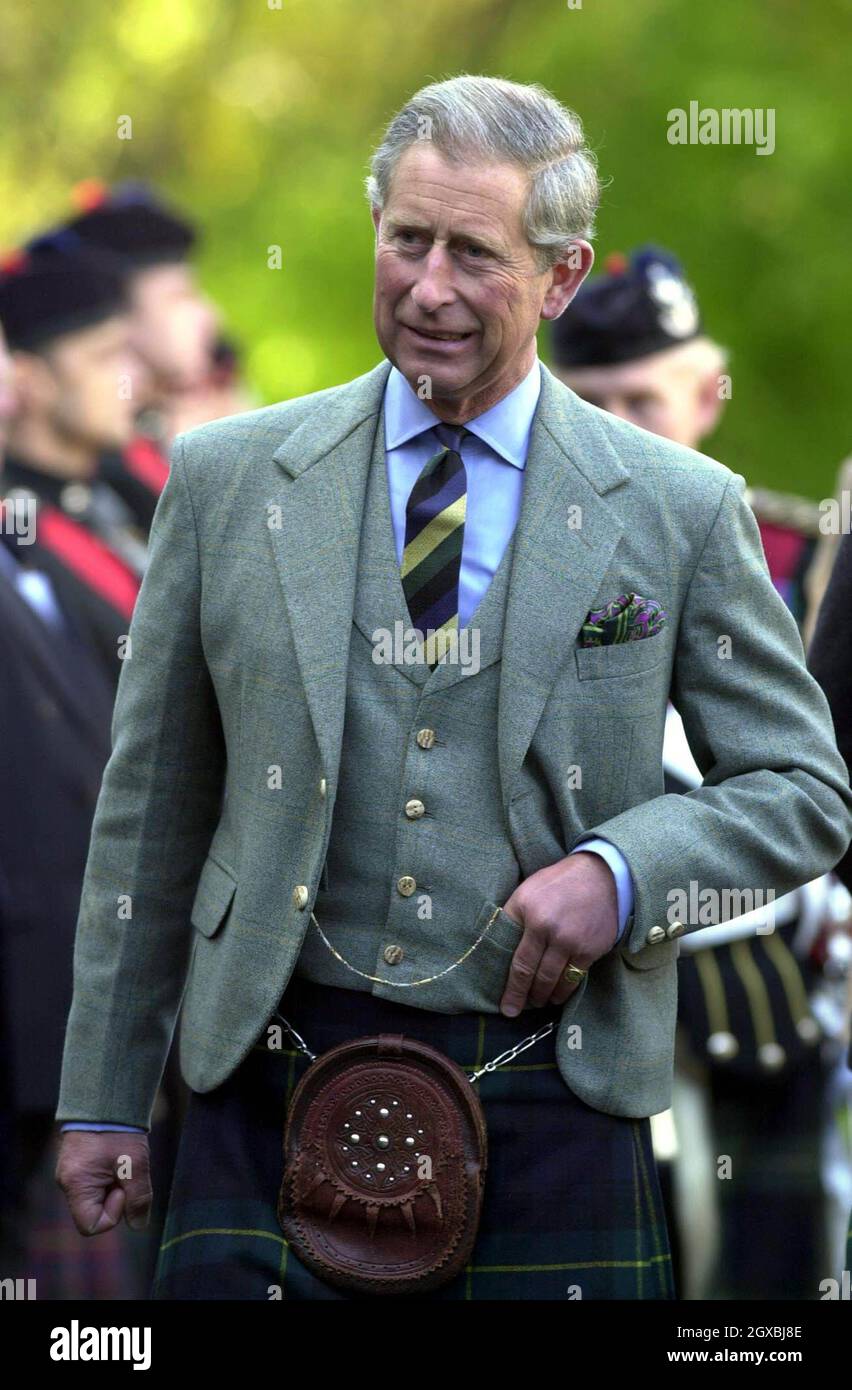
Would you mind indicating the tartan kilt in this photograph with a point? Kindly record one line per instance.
(572, 1205)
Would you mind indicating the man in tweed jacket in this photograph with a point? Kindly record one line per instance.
(606, 569)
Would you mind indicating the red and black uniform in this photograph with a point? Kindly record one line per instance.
(91, 556)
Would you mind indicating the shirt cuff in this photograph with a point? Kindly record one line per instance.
(620, 872)
(86, 1124)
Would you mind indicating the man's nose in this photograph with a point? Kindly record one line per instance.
(433, 286)
(134, 366)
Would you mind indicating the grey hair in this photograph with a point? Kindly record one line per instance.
(488, 119)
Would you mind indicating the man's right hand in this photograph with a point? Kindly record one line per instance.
(87, 1172)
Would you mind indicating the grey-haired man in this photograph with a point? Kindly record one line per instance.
(306, 821)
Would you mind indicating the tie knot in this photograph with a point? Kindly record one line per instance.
(451, 436)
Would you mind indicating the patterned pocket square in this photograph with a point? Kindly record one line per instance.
(627, 618)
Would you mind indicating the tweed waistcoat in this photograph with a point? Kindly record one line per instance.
(405, 893)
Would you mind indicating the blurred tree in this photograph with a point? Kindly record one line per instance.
(260, 117)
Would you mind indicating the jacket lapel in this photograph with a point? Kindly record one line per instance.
(564, 540)
(316, 544)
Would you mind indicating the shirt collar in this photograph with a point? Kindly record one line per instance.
(505, 427)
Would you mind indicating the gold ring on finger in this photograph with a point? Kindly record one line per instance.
(573, 975)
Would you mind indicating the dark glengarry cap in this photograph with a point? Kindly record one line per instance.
(638, 306)
(128, 221)
(46, 295)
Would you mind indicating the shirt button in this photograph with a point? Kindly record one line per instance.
(406, 885)
(414, 809)
(322, 786)
(392, 955)
(426, 738)
(300, 896)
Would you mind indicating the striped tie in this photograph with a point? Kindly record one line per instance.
(434, 534)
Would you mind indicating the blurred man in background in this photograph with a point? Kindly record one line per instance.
(751, 1080)
(665, 374)
(69, 334)
(55, 713)
(173, 327)
(71, 368)
(632, 344)
(104, 318)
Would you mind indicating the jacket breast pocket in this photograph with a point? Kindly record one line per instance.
(620, 658)
(213, 896)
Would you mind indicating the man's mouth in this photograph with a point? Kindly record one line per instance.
(438, 337)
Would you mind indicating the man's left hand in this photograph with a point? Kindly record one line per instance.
(569, 912)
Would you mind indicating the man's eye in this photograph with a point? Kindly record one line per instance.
(477, 252)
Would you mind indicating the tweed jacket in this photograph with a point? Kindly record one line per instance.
(203, 866)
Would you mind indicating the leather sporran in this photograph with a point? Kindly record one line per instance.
(385, 1152)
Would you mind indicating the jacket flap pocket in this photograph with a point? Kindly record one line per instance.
(650, 957)
(216, 888)
(620, 658)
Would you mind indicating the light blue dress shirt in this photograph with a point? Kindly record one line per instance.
(494, 462)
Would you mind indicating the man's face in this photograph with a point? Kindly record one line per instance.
(656, 393)
(174, 326)
(452, 259)
(7, 393)
(83, 387)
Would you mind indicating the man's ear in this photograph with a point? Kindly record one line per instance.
(376, 214)
(708, 404)
(566, 278)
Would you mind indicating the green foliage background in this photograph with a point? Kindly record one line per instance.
(261, 120)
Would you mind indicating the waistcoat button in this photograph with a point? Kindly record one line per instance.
(392, 955)
(414, 809)
(300, 896)
(655, 934)
(406, 885)
(322, 786)
(426, 738)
